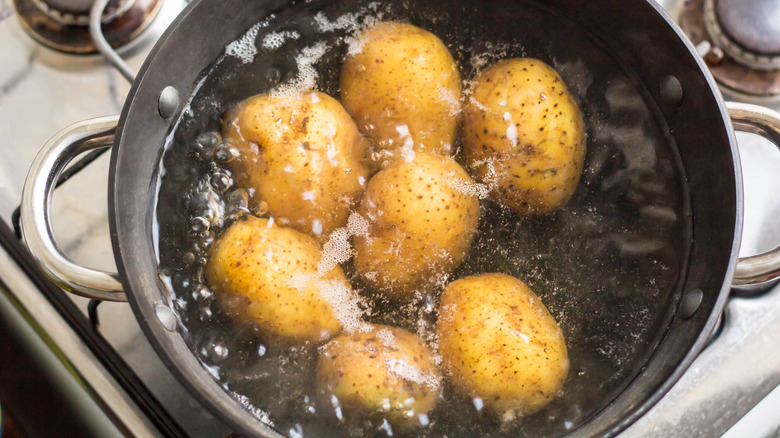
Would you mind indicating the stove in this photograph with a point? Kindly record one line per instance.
(97, 373)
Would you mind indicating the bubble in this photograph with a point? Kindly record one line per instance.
(237, 203)
(205, 144)
(261, 350)
(201, 293)
(261, 209)
(205, 314)
(226, 152)
(221, 180)
(199, 225)
(188, 258)
(214, 351)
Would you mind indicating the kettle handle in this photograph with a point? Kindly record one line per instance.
(765, 267)
(65, 146)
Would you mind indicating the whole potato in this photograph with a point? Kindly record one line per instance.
(498, 342)
(422, 220)
(386, 371)
(402, 86)
(270, 273)
(300, 154)
(523, 131)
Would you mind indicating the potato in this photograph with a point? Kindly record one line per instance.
(498, 342)
(523, 131)
(300, 154)
(271, 275)
(422, 220)
(386, 372)
(402, 86)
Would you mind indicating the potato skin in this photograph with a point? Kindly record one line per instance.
(302, 155)
(379, 371)
(256, 266)
(498, 342)
(403, 75)
(420, 225)
(523, 119)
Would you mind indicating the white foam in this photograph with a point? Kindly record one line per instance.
(412, 373)
(336, 250)
(386, 337)
(244, 47)
(308, 195)
(479, 105)
(307, 74)
(357, 225)
(448, 97)
(345, 303)
(274, 40)
(352, 24)
(467, 188)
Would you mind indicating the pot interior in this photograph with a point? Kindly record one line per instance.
(647, 223)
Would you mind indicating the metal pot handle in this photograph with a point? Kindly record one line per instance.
(761, 268)
(66, 145)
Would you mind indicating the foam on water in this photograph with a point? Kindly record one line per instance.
(471, 188)
(450, 99)
(412, 373)
(244, 48)
(274, 40)
(306, 79)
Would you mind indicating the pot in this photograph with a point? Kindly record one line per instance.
(638, 33)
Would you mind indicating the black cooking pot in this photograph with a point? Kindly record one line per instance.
(644, 40)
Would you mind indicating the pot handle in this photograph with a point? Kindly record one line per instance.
(65, 146)
(761, 268)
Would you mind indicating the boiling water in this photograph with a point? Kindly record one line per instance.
(607, 265)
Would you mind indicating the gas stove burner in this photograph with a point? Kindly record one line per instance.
(64, 24)
(740, 41)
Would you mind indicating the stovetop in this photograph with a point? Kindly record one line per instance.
(731, 388)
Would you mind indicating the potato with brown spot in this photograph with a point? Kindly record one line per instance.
(385, 373)
(499, 342)
(270, 275)
(402, 86)
(300, 154)
(422, 222)
(523, 132)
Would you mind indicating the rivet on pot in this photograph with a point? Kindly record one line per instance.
(168, 102)
(691, 301)
(166, 316)
(671, 91)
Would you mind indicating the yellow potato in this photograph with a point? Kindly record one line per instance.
(422, 218)
(498, 342)
(271, 275)
(402, 86)
(523, 131)
(300, 154)
(385, 373)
